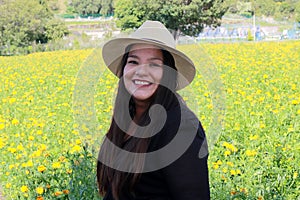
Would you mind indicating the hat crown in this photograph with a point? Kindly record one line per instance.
(154, 31)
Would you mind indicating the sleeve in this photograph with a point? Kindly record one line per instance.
(187, 177)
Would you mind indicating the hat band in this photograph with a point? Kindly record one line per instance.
(153, 40)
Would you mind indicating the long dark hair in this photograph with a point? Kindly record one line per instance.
(165, 95)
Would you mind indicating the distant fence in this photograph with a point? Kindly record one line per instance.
(248, 33)
(89, 16)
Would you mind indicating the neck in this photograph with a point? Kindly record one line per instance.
(140, 108)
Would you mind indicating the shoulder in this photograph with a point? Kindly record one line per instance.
(181, 115)
(181, 123)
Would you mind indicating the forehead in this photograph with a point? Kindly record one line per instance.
(136, 48)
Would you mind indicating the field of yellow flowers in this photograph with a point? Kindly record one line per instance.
(56, 106)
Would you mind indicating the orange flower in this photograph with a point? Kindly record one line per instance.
(58, 193)
(66, 191)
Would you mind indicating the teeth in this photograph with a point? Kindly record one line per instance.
(141, 83)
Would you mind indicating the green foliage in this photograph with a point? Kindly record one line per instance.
(188, 17)
(55, 29)
(88, 7)
(83, 183)
(22, 25)
(280, 9)
(128, 15)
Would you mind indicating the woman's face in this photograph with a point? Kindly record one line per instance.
(143, 70)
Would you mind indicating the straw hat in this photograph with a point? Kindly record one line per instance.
(155, 33)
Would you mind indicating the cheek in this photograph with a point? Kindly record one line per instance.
(127, 74)
(158, 74)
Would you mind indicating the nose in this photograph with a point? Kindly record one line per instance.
(142, 70)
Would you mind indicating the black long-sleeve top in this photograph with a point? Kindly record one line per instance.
(186, 178)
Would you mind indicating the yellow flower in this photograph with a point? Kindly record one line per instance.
(231, 147)
(262, 125)
(295, 175)
(42, 147)
(78, 141)
(41, 168)
(39, 190)
(24, 188)
(31, 138)
(225, 170)
(232, 172)
(12, 100)
(250, 152)
(219, 162)
(29, 163)
(216, 166)
(2, 126)
(56, 165)
(253, 137)
(295, 102)
(227, 153)
(8, 185)
(15, 121)
(230, 164)
(76, 148)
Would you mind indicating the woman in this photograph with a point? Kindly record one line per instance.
(155, 147)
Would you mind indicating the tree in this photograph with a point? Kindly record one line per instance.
(55, 29)
(87, 6)
(22, 24)
(104, 7)
(186, 16)
(129, 16)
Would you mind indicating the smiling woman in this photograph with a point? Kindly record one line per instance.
(143, 71)
(151, 150)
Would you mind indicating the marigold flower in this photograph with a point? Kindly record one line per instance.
(56, 165)
(24, 188)
(15, 121)
(66, 191)
(295, 175)
(250, 152)
(41, 168)
(2, 126)
(254, 137)
(58, 193)
(227, 153)
(8, 185)
(76, 148)
(39, 190)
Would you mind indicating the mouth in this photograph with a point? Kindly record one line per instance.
(142, 83)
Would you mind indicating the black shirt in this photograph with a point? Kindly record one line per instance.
(186, 177)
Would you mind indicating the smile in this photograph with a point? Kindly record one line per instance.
(138, 82)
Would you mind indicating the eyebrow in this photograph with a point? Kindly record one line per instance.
(153, 58)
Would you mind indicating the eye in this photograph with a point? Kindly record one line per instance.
(154, 65)
(133, 62)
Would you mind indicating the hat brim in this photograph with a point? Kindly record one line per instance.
(113, 51)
